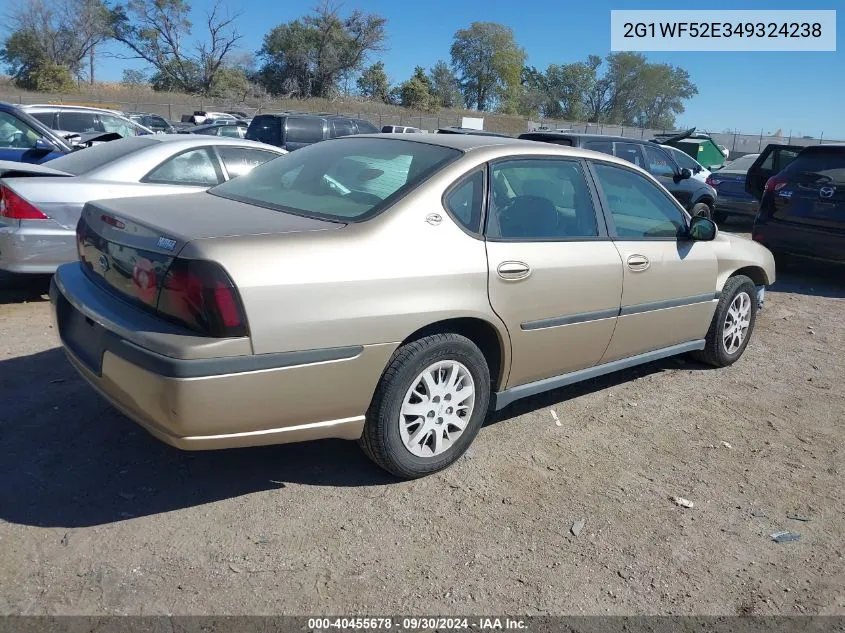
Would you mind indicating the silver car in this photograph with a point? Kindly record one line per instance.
(41, 204)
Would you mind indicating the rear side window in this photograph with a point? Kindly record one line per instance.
(240, 160)
(466, 199)
(303, 130)
(365, 127)
(818, 168)
(80, 122)
(342, 127)
(540, 199)
(267, 129)
(605, 147)
(658, 162)
(630, 152)
(195, 167)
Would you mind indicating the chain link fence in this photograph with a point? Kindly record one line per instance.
(380, 115)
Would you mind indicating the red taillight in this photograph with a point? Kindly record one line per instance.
(713, 182)
(200, 295)
(14, 207)
(757, 237)
(775, 184)
(107, 219)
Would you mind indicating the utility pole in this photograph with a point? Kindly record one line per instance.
(91, 55)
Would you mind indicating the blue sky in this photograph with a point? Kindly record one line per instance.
(801, 92)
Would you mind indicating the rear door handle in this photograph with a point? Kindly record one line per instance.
(638, 263)
(513, 271)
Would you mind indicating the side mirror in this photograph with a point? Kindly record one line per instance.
(44, 145)
(701, 229)
(685, 173)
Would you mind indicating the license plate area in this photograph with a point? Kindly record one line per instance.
(81, 335)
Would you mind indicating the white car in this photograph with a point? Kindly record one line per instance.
(69, 121)
(699, 171)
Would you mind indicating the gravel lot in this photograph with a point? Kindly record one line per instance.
(96, 517)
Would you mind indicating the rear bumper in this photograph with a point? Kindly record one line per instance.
(794, 239)
(223, 402)
(35, 247)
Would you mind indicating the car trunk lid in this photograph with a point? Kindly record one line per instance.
(129, 245)
(814, 189)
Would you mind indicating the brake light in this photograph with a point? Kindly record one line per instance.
(713, 182)
(200, 295)
(775, 183)
(15, 207)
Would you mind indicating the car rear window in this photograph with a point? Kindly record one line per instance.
(349, 179)
(87, 160)
(818, 167)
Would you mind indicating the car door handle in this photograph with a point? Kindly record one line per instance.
(638, 263)
(513, 271)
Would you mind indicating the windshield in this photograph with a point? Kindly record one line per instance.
(743, 163)
(349, 179)
(89, 159)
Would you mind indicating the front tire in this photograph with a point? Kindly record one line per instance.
(732, 324)
(428, 406)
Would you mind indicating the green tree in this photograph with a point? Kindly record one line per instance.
(445, 86)
(157, 31)
(373, 83)
(309, 56)
(488, 62)
(52, 33)
(416, 92)
(133, 77)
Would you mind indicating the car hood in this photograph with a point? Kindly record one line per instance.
(194, 216)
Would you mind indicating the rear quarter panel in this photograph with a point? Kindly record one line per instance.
(368, 283)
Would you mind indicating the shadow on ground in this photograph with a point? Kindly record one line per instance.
(69, 460)
(20, 288)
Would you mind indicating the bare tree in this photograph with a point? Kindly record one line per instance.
(155, 30)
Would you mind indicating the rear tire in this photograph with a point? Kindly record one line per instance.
(409, 445)
(703, 210)
(732, 324)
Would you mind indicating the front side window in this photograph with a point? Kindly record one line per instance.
(342, 127)
(16, 134)
(658, 162)
(349, 179)
(540, 199)
(605, 147)
(192, 168)
(640, 209)
(466, 199)
(685, 160)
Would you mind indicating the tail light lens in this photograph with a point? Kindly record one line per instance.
(775, 184)
(15, 207)
(199, 295)
(757, 237)
(713, 182)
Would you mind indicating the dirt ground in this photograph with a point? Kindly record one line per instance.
(96, 517)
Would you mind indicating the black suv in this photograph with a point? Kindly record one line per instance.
(696, 196)
(292, 131)
(802, 200)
